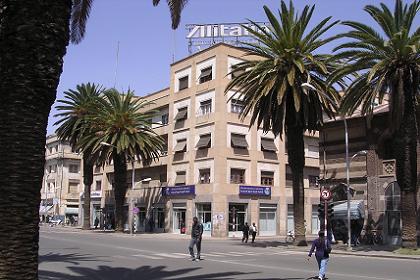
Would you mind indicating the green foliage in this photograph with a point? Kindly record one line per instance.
(382, 64)
(272, 86)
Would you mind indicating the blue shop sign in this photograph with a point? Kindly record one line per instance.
(254, 190)
(179, 190)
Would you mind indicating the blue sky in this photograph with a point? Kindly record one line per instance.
(147, 43)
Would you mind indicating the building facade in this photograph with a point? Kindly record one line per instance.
(215, 166)
(62, 183)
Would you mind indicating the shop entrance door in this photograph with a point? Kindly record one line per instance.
(204, 216)
(179, 214)
(268, 220)
(237, 219)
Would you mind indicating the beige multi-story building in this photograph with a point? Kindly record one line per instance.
(215, 167)
(62, 183)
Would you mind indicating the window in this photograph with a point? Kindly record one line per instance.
(313, 151)
(165, 119)
(98, 185)
(73, 187)
(52, 168)
(74, 168)
(267, 178)
(181, 146)
(313, 181)
(205, 107)
(268, 145)
(235, 71)
(204, 142)
(237, 106)
(183, 83)
(315, 223)
(206, 75)
(289, 177)
(239, 141)
(290, 218)
(204, 176)
(182, 114)
(180, 178)
(237, 176)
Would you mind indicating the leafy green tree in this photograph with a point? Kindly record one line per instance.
(73, 125)
(385, 64)
(33, 39)
(271, 83)
(120, 131)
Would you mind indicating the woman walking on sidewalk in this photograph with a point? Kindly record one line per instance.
(322, 254)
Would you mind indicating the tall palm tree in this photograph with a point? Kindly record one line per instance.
(386, 63)
(122, 123)
(75, 108)
(33, 39)
(272, 87)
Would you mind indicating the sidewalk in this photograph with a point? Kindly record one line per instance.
(261, 242)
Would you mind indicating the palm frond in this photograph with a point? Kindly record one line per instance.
(80, 14)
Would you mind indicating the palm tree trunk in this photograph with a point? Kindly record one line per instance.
(405, 148)
(33, 41)
(120, 190)
(87, 181)
(296, 154)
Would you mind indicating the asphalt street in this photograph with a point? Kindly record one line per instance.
(94, 255)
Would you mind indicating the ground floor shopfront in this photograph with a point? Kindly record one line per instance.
(221, 215)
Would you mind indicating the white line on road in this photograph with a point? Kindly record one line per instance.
(170, 256)
(148, 257)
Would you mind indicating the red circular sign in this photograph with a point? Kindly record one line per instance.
(325, 194)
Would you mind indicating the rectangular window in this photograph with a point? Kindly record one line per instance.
(165, 119)
(315, 223)
(181, 146)
(237, 106)
(73, 187)
(313, 181)
(183, 83)
(289, 177)
(235, 71)
(204, 176)
(98, 186)
(204, 142)
(267, 178)
(206, 75)
(205, 107)
(290, 218)
(74, 168)
(182, 114)
(238, 141)
(181, 177)
(237, 176)
(313, 151)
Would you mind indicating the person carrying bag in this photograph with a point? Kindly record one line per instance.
(322, 254)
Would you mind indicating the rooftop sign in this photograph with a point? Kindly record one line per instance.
(206, 35)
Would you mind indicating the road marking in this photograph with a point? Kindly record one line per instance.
(148, 257)
(182, 254)
(169, 256)
(226, 254)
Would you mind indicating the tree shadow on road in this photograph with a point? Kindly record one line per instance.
(144, 272)
(68, 258)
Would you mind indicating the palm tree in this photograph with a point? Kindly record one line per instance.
(272, 87)
(382, 64)
(33, 39)
(75, 107)
(122, 123)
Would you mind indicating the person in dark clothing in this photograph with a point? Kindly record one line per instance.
(96, 223)
(245, 233)
(322, 254)
(196, 235)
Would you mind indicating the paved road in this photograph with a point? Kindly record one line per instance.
(86, 255)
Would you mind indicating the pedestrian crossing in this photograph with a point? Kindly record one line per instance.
(214, 254)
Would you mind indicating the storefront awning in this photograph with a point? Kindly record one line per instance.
(44, 209)
(72, 211)
(268, 145)
(204, 141)
(357, 210)
(239, 141)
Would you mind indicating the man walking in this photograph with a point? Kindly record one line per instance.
(322, 254)
(253, 231)
(196, 234)
(245, 233)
